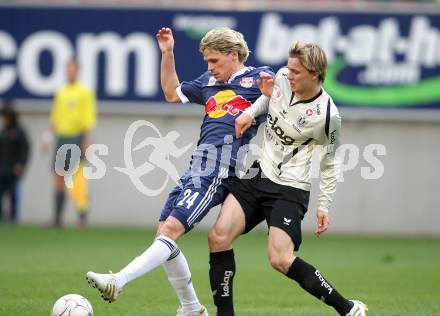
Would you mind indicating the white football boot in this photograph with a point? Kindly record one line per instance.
(358, 309)
(201, 312)
(106, 284)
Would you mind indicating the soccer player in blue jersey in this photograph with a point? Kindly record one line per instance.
(225, 90)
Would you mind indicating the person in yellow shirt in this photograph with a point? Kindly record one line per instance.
(72, 120)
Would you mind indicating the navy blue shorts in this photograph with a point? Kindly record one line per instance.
(192, 200)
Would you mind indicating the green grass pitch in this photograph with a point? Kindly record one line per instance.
(394, 276)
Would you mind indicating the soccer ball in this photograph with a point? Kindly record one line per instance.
(72, 305)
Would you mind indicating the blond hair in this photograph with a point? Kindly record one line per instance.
(311, 56)
(225, 40)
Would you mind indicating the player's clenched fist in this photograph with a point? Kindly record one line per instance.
(242, 123)
(165, 39)
(265, 83)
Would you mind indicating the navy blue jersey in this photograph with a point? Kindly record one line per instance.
(223, 101)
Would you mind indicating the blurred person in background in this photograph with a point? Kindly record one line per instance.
(227, 88)
(14, 153)
(72, 120)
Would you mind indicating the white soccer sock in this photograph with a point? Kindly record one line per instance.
(179, 275)
(159, 251)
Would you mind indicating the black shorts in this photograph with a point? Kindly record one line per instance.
(69, 158)
(280, 205)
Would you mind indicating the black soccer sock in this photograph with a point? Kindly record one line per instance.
(221, 275)
(83, 214)
(313, 282)
(59, 204)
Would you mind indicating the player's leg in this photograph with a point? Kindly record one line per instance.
(239, 214)
(177, 269)
(284, 238)
(80, 195)
(156, 254)
(59, 199)
(159, 251)
(179, 275)
(229, 225)
(200, 198)
(58, 183)
(185, 207)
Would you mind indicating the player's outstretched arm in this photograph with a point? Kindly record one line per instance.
(329, 170)
(168, 76)
(266, 83)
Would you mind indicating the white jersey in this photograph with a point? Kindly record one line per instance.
(292, 130)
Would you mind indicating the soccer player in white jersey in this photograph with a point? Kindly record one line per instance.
(276, 188)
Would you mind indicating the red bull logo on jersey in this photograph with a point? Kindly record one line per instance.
(225, 102)
(247, 82)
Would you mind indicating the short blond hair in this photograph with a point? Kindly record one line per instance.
(225, 40)
(311, 56)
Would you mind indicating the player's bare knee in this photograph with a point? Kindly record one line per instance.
(166, 230)
(275, 262)
(172, 229)
(280, 262)
(218, 240)
(159, 228)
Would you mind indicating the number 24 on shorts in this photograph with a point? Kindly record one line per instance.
(188, 198)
